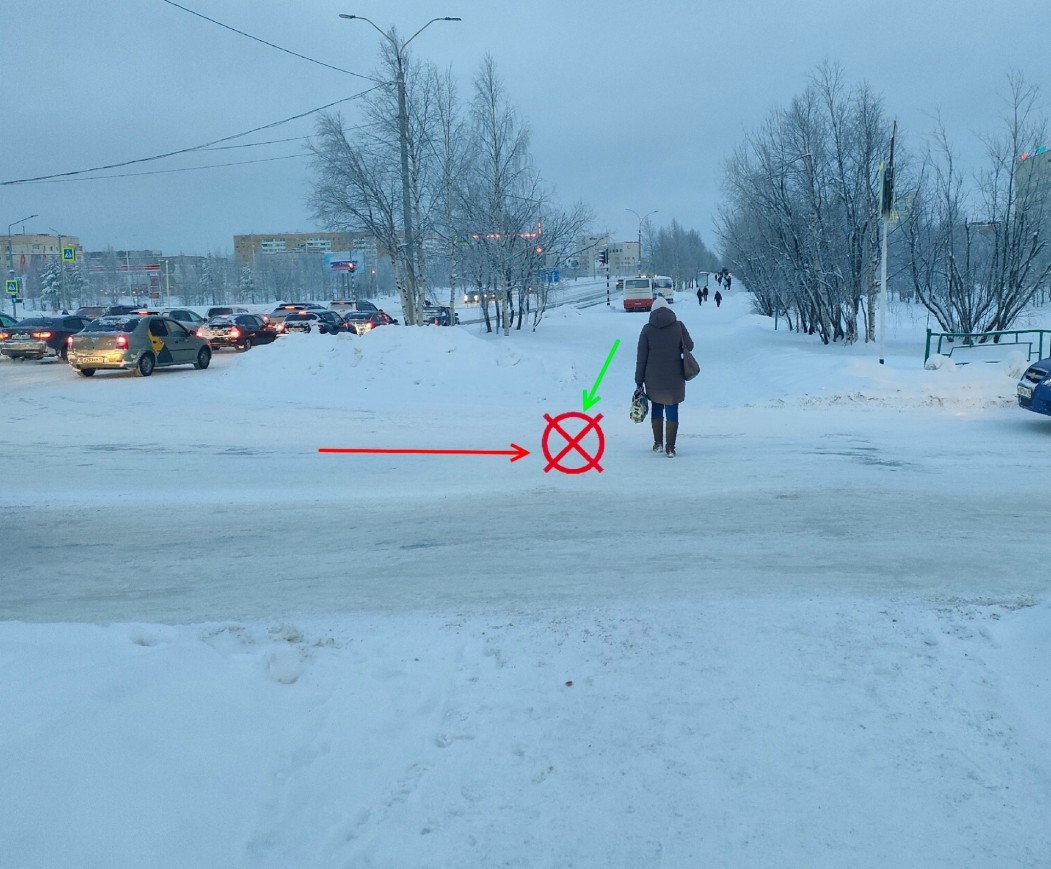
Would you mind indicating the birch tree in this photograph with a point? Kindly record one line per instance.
(801, 222)
(978, 253)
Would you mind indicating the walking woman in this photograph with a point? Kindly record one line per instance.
(658, 367)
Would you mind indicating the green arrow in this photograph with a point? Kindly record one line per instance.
(590, 397)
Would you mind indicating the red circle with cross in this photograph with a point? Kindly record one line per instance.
(584, 442)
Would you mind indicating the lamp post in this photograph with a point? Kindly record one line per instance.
(403, 138)
(11, 257)
(641, 220)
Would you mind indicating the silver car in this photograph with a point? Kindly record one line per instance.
(136, 343)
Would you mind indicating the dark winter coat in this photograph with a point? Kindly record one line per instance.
(658, 363)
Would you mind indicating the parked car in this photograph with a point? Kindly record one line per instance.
(221, 311)
(135, 342)
(240, 331)
(37, 337)
(121, 310)
(326, 322)
(190, 319)
(90, 312)
(438, 315)
(345, 306)
(334, 321)
(364, 321)
(7, 320)
(277, 316)
(1034, 389)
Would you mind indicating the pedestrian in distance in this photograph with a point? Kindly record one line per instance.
(658, 370)
(704, 293)
(718, 298)
(729, 277)
(700, 295)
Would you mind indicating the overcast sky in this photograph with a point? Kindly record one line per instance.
(631, 105)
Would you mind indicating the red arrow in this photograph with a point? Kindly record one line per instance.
(516, 452)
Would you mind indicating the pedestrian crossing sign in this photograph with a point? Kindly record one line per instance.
(69, 254)
(11, 285)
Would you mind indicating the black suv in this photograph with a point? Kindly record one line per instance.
(37, 337)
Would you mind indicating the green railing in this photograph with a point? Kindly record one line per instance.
(1040, 339)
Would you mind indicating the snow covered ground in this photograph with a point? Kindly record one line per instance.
(818, 637)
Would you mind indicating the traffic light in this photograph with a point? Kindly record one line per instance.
(603, 257)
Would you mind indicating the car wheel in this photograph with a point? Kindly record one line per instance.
(146, 364)
(86, 372)
(204, 359)
(244, 345)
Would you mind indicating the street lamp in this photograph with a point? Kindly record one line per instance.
(641, 219)
(11, 255)
(403, 137)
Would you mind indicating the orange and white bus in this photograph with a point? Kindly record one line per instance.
(639, 293)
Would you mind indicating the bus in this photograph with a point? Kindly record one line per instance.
(640, 292)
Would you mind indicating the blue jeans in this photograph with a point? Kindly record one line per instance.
(659, 411)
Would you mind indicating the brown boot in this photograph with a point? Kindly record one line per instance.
(669, 447)
(658, 434)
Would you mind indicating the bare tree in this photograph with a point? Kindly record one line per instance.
(357, 187)
(978, 256)
(801, 224)
(680, 253)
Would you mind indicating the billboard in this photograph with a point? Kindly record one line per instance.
(340, 261)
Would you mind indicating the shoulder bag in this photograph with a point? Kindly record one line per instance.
(690, 366)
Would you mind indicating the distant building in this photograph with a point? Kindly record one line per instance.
(246, 247)
(1034, 169)
(624, 258)
(26, 253)
(623, 255)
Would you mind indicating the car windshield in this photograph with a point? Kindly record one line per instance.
(223, 320)
(298, 316)
(358, 315)
(113, 324)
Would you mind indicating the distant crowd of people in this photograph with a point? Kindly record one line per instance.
(723, 278)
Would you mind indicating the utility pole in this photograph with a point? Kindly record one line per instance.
(887, 214)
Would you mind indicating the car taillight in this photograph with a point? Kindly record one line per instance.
(41, 334)
(235, 333)
(200, 332)
(122, 342)
(69, 341)
(4, 336)
(368, 326)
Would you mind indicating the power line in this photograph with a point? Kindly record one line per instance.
(256, 144)
(184, 150)
(169, 171)
(270, 44)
